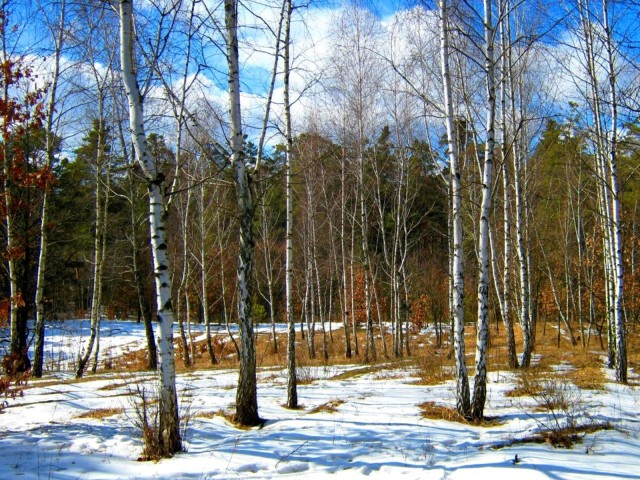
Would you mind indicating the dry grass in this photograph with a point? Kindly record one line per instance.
(230, 418)
(528, 383)
(435, 411)
(568, 437)
(115, 386)
(564, 438)
(356, 372)
(101, 413)
(329, 407)
(633, 348)
(266, 354)
(434, 366)
(208, 415)
(583, 368)
(588, 371)
(66, 381)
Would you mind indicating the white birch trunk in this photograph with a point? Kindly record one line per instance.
(505, 304)
(482, 338)
(292, 382)
(169, 429)
(462, 381)
(521, 247)
(103, 255)
(203, 277)
(98, 262)
(352, 297)
(615, 213)
(144, 305)
(345, 287)
(38, 358)
(183, 289)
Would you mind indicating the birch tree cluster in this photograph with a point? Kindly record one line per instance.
(456, 167)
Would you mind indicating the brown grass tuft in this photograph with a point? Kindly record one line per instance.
(435, 411)
(434, 367)
(528, 382)
(208, 415)
(101, 413)
(329, 407)
(356, 372)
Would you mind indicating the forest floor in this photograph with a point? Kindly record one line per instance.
(564, 418)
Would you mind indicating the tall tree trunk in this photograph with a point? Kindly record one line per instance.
(615, 213)
(525, 315)
(203, 278)
(352, 291)
(38, 358)
(482, 338)
(463, 403)
(98, 260)
(103, 242)
(370, 346)
(246, 394)
(223, 293)
(169, 422)
(144, 303)
(18, 347)
(343, 251)
(505, 303)
(292, 381)
(183, 289)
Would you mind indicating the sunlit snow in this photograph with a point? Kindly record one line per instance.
(377, 432)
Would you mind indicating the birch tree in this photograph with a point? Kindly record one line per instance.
(246, 394)
(101, 204)
(599, 53)
(354, 61)
(292, 381)
(169, 424)
(58, 34)
(463, 404)
(482, 340)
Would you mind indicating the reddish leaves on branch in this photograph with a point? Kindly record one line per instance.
(4, 312)
(21, 118)
(11, 387)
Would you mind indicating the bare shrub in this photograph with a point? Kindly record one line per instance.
(146, 420)
(565, 420)
(146, 417)
(12, 387)
(307, 374)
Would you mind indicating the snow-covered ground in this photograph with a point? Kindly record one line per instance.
(66, 340)
(376, 430)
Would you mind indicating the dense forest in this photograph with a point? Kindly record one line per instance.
(450, 165)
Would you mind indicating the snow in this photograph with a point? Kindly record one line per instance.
(377, 432)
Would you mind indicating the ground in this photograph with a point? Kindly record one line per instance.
(355, 422)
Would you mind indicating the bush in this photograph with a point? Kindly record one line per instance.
(146, 418)
(11, 388)
(566, 419)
